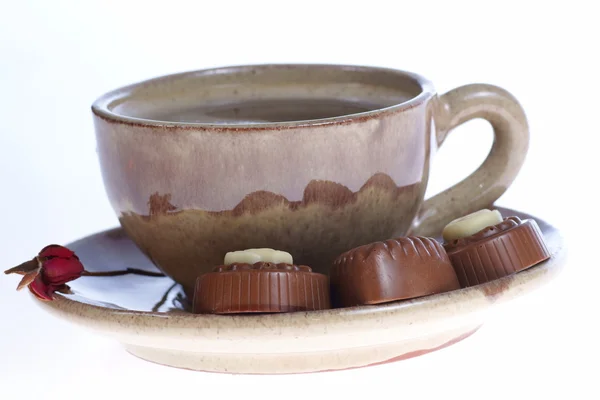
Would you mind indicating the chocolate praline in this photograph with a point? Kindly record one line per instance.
(261, 287)
(497, 251)
(396, 269)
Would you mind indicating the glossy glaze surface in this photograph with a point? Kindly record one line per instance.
(195, 166)
(148, 316)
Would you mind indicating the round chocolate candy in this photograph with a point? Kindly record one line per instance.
(396, 269)
(497, 251)
(262, 287)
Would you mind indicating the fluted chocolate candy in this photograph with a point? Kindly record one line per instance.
(396, 269)
(497, 251)
(262, 287)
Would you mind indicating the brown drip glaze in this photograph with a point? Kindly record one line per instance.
(320, 192)
(497, 251)
(396, 269)
(327, 220)
(262, 287)
(160, 205)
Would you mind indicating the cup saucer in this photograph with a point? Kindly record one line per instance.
(149, 316)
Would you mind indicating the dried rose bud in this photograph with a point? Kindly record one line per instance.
(49, 271)
(59, 265)
(56, 265)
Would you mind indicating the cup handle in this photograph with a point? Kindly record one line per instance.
(485, 185)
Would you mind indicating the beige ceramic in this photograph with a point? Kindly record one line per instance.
(310, 159)
(122, 308)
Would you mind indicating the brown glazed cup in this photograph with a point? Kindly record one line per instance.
(310, 159)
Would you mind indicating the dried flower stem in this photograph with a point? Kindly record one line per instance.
(123, 272)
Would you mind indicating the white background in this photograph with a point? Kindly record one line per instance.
(57, 56)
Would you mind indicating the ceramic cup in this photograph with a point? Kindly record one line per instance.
(310, 159)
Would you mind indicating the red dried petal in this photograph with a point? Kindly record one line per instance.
(40, 289)
(55, 250)
(58, 271)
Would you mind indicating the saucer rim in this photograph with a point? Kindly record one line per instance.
(470, 300)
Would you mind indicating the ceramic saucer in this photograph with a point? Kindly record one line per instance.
(148, 316)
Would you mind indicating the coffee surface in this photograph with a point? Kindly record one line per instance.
(261, 111)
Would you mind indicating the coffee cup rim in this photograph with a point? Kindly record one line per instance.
(101, 107)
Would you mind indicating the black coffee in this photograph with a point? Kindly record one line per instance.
(261, 111)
